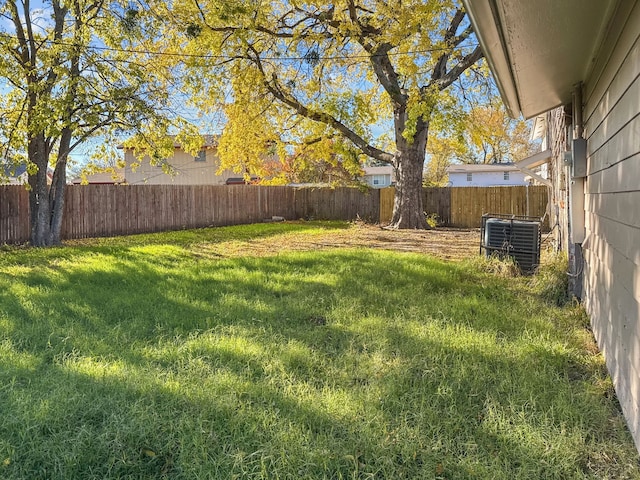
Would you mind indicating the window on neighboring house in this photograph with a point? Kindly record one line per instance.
(201, 157)
(506, 175)
(380, 180)
(469, 177)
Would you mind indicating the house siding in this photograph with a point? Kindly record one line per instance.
(487, 179)
(611, 280)
(188, 171)
(383, 180)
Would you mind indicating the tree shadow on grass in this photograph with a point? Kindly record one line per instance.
(121, 246)
(102, 426)
(146, 369)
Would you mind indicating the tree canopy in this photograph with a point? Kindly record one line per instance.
(68, 74)
(302, 85)
(490, 136)
(483, 134)
(351, 77)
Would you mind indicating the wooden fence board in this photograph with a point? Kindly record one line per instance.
(14, 214)
(437, 200)
(386, 204)
(463, 207)
(468, 204)
(106, 210)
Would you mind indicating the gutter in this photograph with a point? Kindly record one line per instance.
(485, 18)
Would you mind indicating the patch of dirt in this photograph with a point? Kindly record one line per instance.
(445, 243)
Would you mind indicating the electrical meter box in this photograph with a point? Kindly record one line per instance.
(579, 158)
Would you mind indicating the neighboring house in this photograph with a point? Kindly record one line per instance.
(101, 178)
(489, 175)
(13, 175)
(242, 181)
(17, 175)
(577, 60)
(201, 169)
(379, 177)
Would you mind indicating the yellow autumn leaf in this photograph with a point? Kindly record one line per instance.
(147, 452)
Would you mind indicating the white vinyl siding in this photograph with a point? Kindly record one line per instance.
(486, 179)
(378, 180)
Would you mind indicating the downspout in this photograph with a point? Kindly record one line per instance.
(578, 126)
(576, 200)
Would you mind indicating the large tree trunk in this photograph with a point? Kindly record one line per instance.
(46, 206)
(39, 206)
(58, 184)
(40, 209)
(408, 210)
(46, 202)
(56, 202)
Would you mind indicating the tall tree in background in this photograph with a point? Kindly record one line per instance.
(442, 152)
(483, 133)
(491, 136)
(67, 78)
(341, 69)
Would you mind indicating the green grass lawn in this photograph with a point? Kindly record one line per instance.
(184, 355)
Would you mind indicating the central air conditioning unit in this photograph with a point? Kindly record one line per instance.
(518, 237)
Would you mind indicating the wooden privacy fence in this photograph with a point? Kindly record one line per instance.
(468, 204)
(463, 207)
(436, 200)
(14, 214)
(104, 210)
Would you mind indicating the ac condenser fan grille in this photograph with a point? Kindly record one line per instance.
(518, 238)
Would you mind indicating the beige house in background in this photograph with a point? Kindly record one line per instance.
(101, 178)
(187, 169)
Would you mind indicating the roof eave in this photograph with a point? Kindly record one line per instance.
(540, 51)
(488, 31)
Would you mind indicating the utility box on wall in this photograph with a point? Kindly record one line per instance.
(579, 158)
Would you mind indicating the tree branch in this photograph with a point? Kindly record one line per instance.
(274, 88)
(453, 74)
(450, 41)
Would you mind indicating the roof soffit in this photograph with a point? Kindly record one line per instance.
(539, 49)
